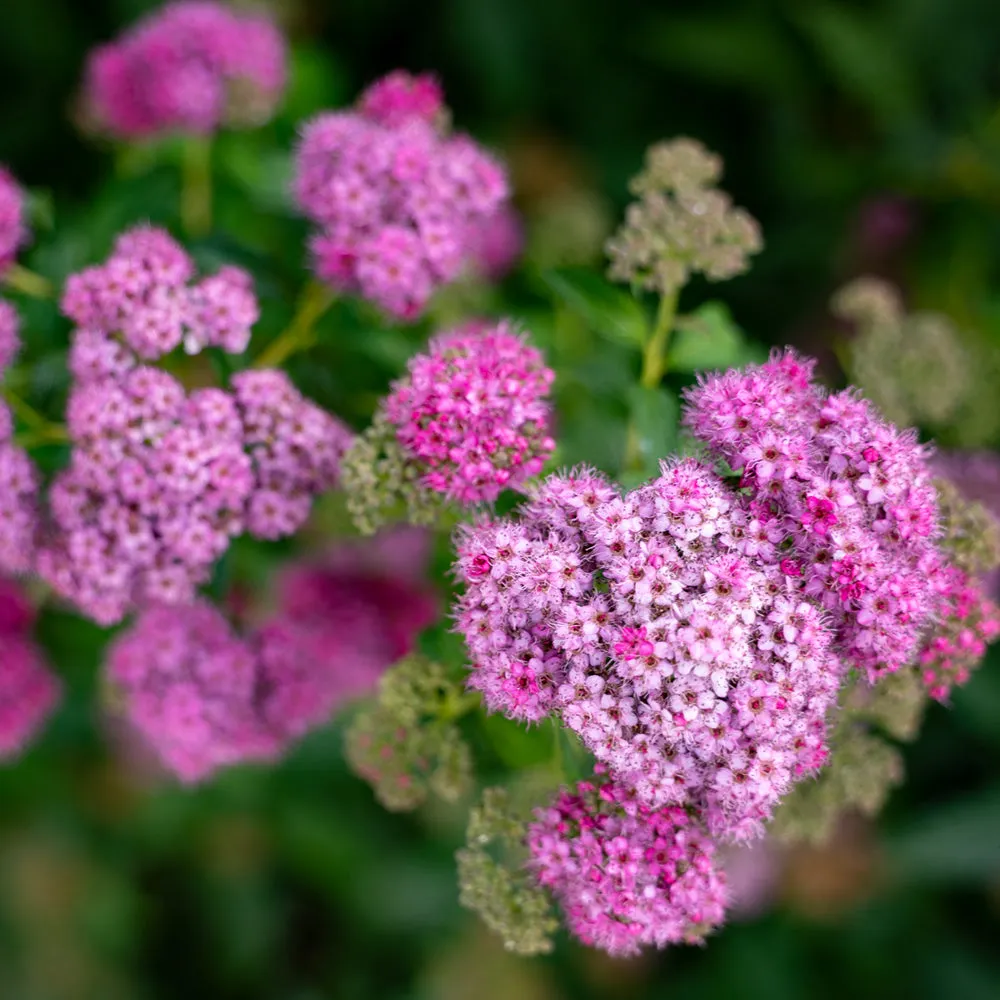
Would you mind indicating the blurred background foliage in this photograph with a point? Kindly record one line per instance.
(865, 136)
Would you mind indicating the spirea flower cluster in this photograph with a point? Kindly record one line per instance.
(28, 691)
(161, 480)
(18, 475)
(969, 622)
(470, 419)
(627, 875)
(13, 228)
(191, 67)
(846, 500)
(203, 696)
(681, 224)
(399, 201)
(661, 629)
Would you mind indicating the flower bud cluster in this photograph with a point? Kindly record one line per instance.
(913, 367)
(681, 224)
(404, 744)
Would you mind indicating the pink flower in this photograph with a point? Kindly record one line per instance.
(190, 67)
(13, 227)
(399, 203)
(473, 412)
(626, 876)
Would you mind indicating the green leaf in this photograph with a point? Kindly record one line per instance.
(655, 414)
(516, 745)
(610, 312)
(707, 339)
(956, 842)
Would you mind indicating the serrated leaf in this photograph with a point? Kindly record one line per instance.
(707, 339)
(608, 310)
(654, 418)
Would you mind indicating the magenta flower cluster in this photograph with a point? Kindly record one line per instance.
(18, 476)
(13, 229)
(661, 630)
(473, 412)
(203, 697)
(968, 622)
(191, 67)
(396, 198)
(161, 480)
(28, 691)
(627, 875)
(847, 499)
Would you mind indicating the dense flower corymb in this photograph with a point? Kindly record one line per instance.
(143, 302)
(191, 67)
(697, 671)
(470, 419)
(397, 199)
(625, 875)
(13, 230)
(846, 497)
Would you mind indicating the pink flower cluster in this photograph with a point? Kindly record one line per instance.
(13, 230)
(203, 697)
(626, 875)
(18, 476)
(969, 621)
(28, 691)
(845, 499)
(395, 197)
(473, 412)
(361, 605)
(190, 67)
(142, 303)
(159, 480)
(661, 630)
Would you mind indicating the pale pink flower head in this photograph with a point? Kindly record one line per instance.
(849, 497)
(144, 302)
(189, 686)
(473, 412)
(397, 199)
(694, 670)
(627, 876)
(19, 481)
(13, 225)
(28, 690)
(193, 66)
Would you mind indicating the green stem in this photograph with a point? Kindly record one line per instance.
(300, 335)
(654, 360)
(28, 414)
(458, 706)
(20, 279)
(52, 434)
(654, 367)
(196, 187)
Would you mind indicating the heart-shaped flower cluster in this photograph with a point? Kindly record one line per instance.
(694, 669)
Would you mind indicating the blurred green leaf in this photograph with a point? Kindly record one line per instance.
(706, 339)
(956, 842)
(655, 413)
(605, 308)
(516, 745)
(862, 55)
